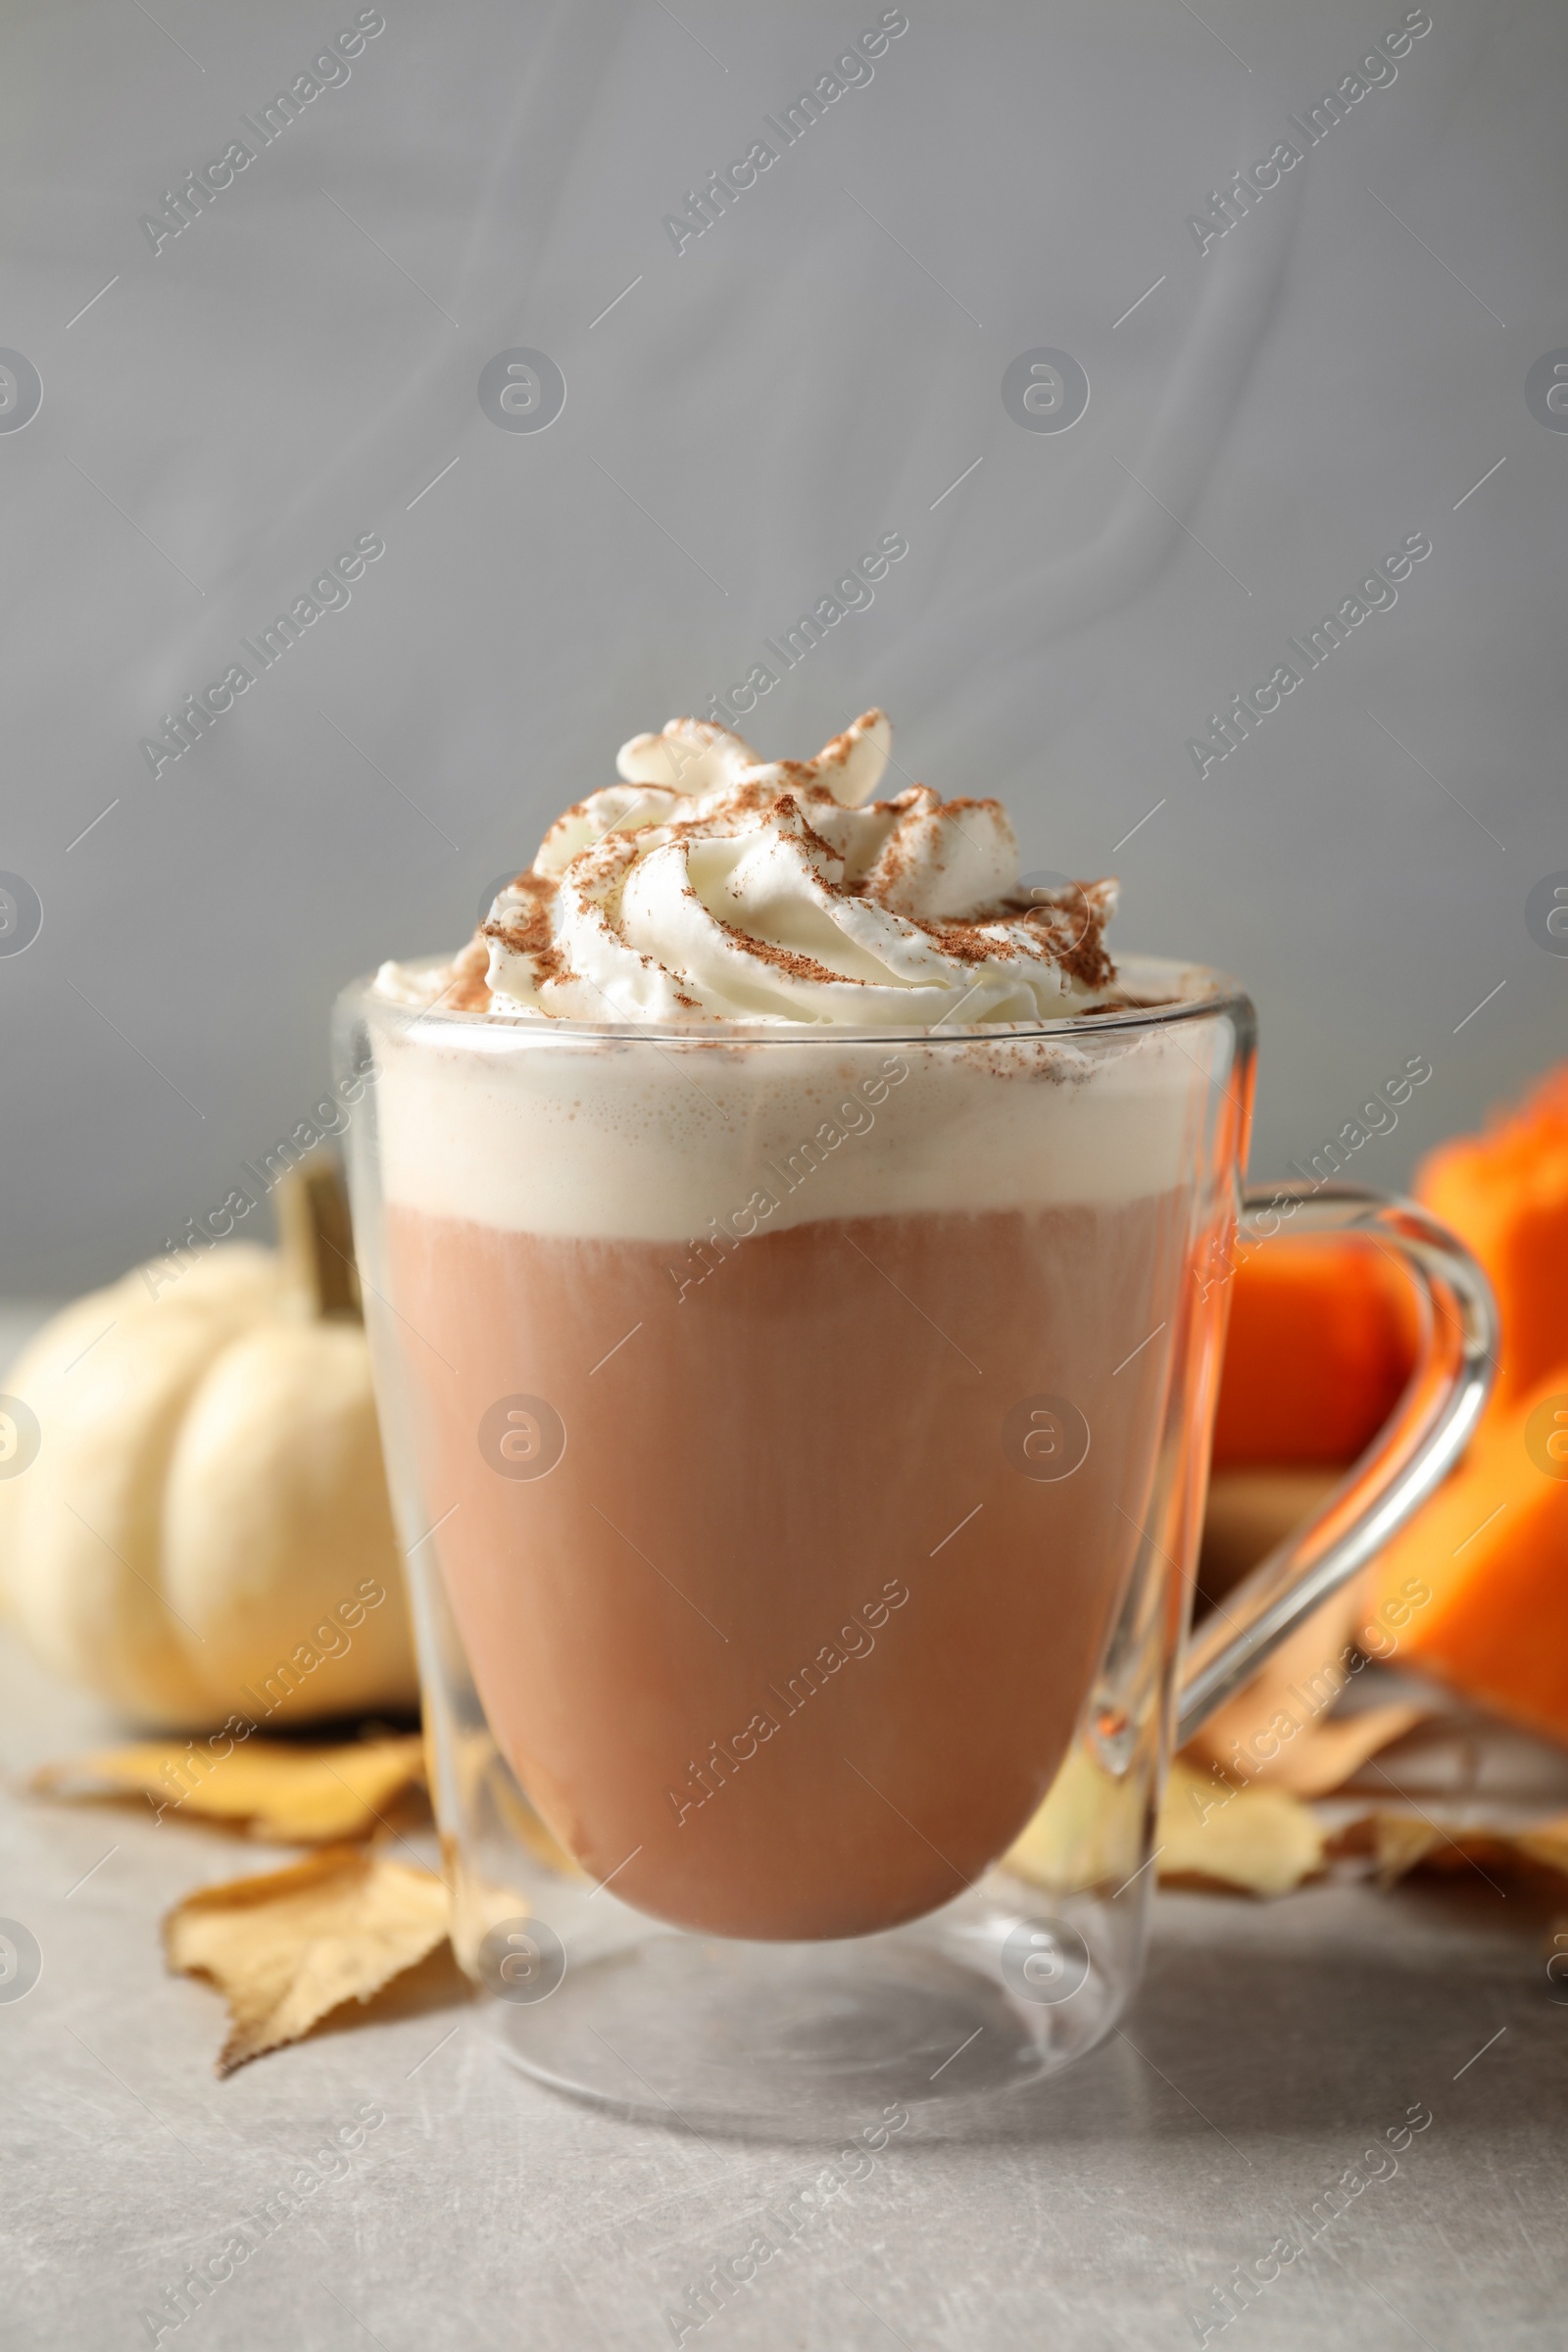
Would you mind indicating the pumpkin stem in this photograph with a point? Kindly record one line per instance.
(317, 1235)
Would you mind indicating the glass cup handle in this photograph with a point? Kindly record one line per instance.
(1400, 1468)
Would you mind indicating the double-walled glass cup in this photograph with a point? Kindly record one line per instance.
(799, 1439)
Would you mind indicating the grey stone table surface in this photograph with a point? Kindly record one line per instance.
(1272, 2046)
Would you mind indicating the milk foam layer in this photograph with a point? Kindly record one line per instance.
(710, 885)
(531, 1128)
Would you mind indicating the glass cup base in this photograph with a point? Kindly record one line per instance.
(802, 2042)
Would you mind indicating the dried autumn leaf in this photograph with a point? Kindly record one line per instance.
(1278, 1730)
(1546, 1846)
(1255, 1736)
(1088, 1830)
(1263, 1840)
(1402, 1842)
(285, 1794)
(289, 1945)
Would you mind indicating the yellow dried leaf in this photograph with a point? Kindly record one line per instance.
(1262, 1841)
(289, 1945)
(285, 1794)
(1088, 1833)
(1255, 1734)
(1401, 1843)
(1546, 1846)
(1278, 1728)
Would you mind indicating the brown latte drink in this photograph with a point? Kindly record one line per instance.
(788, 1390)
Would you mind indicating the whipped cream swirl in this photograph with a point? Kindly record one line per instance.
(710, 885)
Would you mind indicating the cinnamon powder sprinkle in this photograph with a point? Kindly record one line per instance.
(530, 931)
(965, 943)
(786, 960)
(468, 990)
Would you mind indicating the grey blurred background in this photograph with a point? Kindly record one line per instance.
(226, 409)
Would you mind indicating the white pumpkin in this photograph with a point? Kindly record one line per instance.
(204, 1527)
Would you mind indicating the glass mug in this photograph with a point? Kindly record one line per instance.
(799, 1439)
